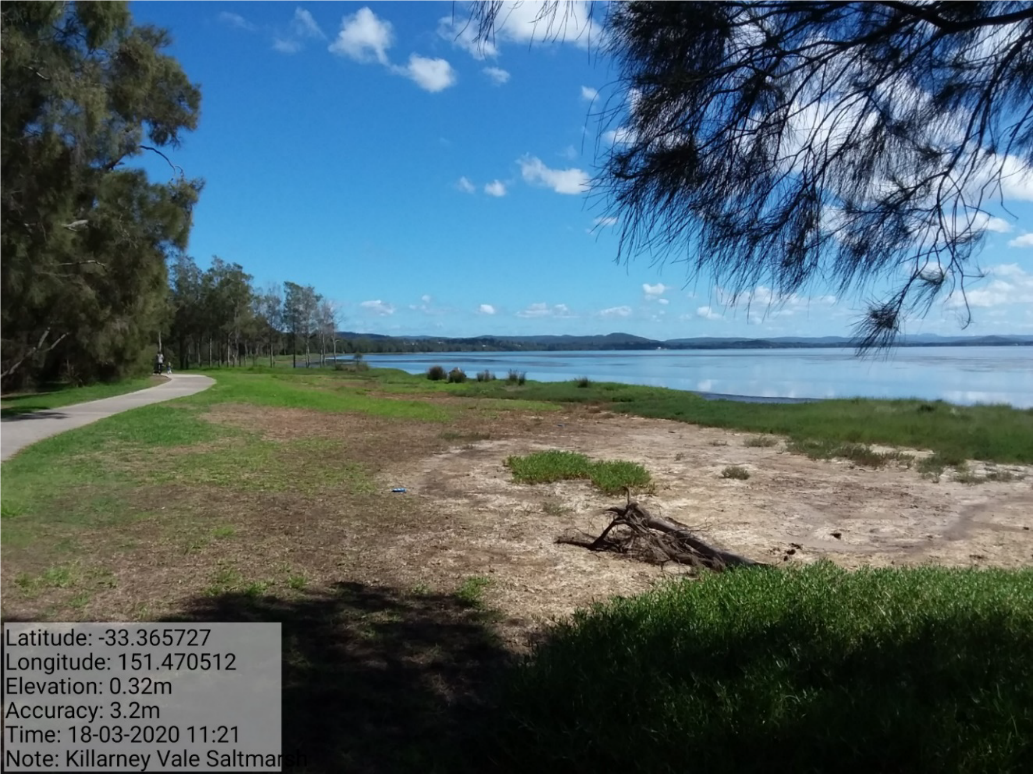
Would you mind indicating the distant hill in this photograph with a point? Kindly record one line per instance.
(376, 342)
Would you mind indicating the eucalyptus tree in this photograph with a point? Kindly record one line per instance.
(270, 312)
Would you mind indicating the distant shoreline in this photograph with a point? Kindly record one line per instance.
(355, 343)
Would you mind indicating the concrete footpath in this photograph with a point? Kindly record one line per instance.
(20, 431)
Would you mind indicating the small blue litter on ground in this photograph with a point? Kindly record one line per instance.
(398, 489)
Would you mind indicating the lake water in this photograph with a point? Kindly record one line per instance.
(963, 375)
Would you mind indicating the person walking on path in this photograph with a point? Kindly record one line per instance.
(159, 363)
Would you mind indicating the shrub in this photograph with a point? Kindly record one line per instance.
(436, 373)
(457, 376)
(485, 376)
(512, 376)
(583, 381)
(735, 471)
(522, 377)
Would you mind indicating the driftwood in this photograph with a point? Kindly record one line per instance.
(657, 540)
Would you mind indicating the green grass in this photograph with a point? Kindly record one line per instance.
(471, 591)
(760, 441)
(58, 395)
(610, 476)
(318, 391)
(812, 669)
(91, 477)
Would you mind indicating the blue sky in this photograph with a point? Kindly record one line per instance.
(433, 187)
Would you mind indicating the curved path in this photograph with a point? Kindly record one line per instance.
(20, 431)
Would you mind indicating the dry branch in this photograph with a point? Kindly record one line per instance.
(636, 532)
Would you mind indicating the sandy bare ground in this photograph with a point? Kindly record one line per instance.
(792, 509)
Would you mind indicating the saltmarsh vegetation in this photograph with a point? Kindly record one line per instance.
(822, 430)
(609, 476)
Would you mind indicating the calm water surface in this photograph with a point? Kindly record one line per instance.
(957, 374)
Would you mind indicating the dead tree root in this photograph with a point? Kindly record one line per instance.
(637, 533)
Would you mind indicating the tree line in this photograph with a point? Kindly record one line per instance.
(218, 317)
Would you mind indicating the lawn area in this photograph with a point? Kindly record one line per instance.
(268, 497)
(58, 395)
(810, 670)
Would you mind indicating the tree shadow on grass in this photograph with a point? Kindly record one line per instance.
(374, 679)
(17, 413)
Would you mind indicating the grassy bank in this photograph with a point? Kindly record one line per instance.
(813, 669)
(994, 433)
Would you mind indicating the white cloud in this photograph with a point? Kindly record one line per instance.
(570, 152)
(663, 301)
(1022, 240)
(364, 37)
(619, 136)
(495, 188)
(616, 311)
(564, 181)
(426, 307)
(463, 34)
(763, 301)
(465, 185)
(497, 75)
(287, 45)
(519, 23)
(589, 94)
(1009, 284)
(486, 309)
(655, 290)
(544, 310)
(304, 26)
(378, 307)
(707, 313)
(604, 222)
(236, 20)
(1016, 178)
(429, 74)
(997, 225)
